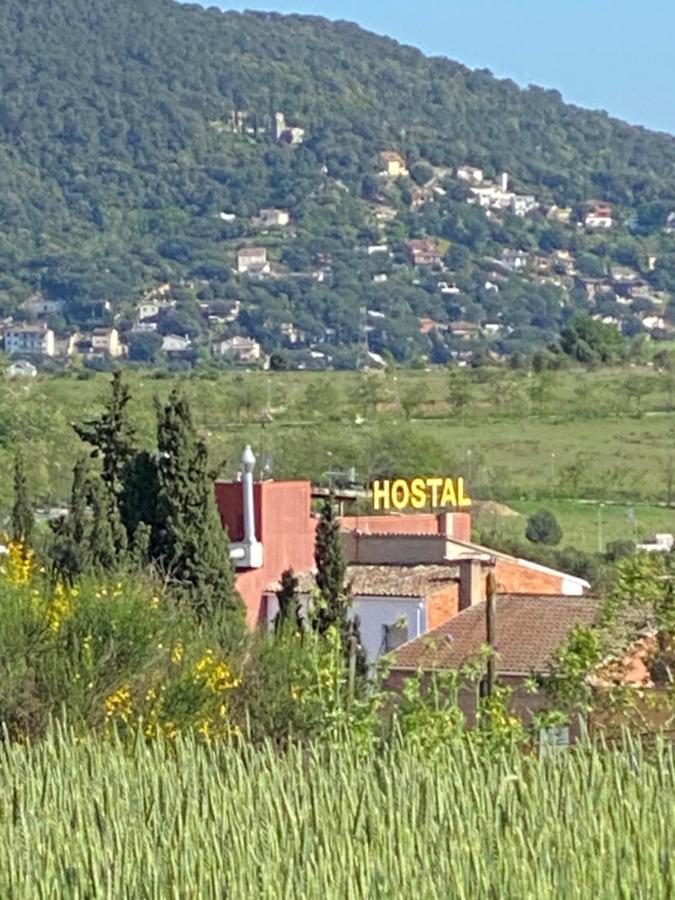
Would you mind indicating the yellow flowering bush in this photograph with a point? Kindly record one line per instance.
(19, 566)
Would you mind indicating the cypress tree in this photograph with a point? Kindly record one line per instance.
(289, 603)
(111, 436)
(23, 520)
(335, 595)
(138, 500)
(70, 547)
(190, 544)
(330, 572)
(107, 536)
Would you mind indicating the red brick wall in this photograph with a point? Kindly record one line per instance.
(515, 578)
(457, 525)
(420, 523)
(442, 605)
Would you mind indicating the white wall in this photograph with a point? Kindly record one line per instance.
(374, 613)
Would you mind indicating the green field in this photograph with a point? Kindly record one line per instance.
(517, 437)
(96, 819)
(589, 525)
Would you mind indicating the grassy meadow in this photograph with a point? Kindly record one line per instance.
(521, 438)
(85, 818)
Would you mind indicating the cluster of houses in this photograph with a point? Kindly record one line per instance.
(35, 340)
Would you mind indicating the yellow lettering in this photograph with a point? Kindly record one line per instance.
(400, 494)
(449, 497)
(434, 485)
(418, 493)
(463, 500)
(381, 495)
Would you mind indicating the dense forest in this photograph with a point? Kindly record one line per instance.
(137, 146)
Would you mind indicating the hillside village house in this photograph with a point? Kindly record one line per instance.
(175, 343)
(29, 340)
(106, 342)
(287, 134)
(599, 216)
(252, 260)
(393, 164)
(423, 253)
(465, 330)
(240, 349)
(274, 218)
(37, 305)
(150, 309)
(470, 174)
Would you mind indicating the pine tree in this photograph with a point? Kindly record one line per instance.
(190, 545)
(330, 572)
(112, 436)
(23, 519)
(289, 614)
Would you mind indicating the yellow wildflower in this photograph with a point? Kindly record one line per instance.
(119, 705)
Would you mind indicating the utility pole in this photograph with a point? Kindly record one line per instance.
(491, 633)
(600, 536)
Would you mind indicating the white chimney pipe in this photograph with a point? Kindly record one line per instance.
(247, 554)
(248, 464)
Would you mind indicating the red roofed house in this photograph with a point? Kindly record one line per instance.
(409, 573)
(530, 628)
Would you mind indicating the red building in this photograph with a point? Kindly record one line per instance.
(271, 528)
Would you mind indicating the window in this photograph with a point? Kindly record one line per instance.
(395, 635)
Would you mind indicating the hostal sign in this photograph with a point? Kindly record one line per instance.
(419, 493)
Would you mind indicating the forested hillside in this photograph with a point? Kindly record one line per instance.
(138, 145)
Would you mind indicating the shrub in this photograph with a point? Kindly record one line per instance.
(543, 528)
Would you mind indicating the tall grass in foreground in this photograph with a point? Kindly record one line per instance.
(183, 819)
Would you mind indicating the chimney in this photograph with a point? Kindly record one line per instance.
(248, 554)
(504, 181)
(472, 581)
(248, 464)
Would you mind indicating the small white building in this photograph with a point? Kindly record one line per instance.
(469, 173)
(176, 343)
(659, 543)
(21, 369)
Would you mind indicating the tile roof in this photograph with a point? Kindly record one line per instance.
(401, 581)
(390, 581)
(530, 628)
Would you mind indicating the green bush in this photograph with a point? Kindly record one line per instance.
(543, 528)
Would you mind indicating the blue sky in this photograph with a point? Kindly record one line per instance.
(616, 55)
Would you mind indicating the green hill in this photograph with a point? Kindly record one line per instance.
(118, 155)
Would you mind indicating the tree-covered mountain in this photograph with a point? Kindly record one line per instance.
(125, 160)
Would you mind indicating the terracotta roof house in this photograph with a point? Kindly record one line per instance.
(530, 628)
